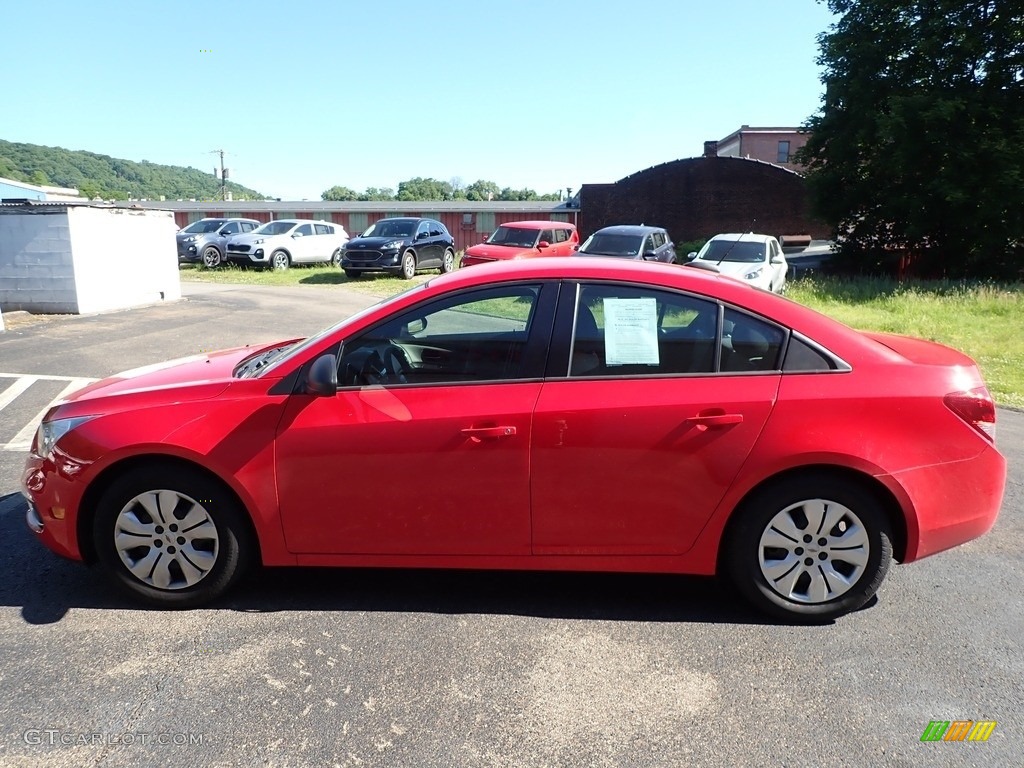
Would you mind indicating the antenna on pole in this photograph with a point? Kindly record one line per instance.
(223, 173)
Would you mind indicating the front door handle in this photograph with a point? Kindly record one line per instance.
(715, 420)
(476, 434)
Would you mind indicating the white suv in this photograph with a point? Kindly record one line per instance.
(279, 244)
(757, 260)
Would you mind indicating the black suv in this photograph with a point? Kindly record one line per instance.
(400, 245)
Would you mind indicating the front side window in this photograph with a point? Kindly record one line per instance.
(476, 336)
(305, 230)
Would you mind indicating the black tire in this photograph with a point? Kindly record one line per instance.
(336, 258)
(217, 553)
(353, 273)
(447, 261)
(408, 271)
(773, 564)
(280, 260)
(212, 257)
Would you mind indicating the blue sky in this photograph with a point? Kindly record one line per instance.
(306, 94)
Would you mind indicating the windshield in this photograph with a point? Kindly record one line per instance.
(299, 348)
(391, 228)
(514, 237)
(732, 250)
(275, 228)
(612, 245)
(204, 225)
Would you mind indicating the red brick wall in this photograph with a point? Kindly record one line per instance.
(704, 196)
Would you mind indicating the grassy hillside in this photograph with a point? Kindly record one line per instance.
(109, 177)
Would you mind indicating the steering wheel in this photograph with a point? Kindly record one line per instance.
(386, 364)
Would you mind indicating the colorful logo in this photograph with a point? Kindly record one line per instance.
(958, 730)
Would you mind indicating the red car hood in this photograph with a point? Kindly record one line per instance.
(192, 378)
(500, 252)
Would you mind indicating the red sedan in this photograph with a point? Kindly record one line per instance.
(561, 414)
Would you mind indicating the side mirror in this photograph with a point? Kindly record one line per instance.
(576, 247)
(650, 256)
(543, 244)
(421, 235)
(418, 325)
(296, 234)
(691, 256)
(776, 260)
(322, 378)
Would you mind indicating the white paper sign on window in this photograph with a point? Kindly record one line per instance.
(631, 331)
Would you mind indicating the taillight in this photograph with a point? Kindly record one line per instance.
(976, 407)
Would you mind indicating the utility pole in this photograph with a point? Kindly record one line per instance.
(223, 174)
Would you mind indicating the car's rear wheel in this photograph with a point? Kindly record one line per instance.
(211, 257)
(280, 260)
(810, 548)
(172, 536)
(408, 265)
(448, 262)
(353, 272)
(336, 258)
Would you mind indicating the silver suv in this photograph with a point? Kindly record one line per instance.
(205, 240)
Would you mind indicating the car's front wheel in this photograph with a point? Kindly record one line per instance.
(448, 262)
(211, 257)
(280, 260)
(810, 548)
(336, 258)
(172, 536)
(408, 265)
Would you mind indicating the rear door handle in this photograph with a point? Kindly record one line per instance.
(476, 434)
(716, 420)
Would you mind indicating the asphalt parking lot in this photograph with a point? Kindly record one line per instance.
(413, 668)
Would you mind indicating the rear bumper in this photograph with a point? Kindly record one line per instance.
(952, 503)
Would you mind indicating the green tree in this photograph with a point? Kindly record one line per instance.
(482, 190)
(919, 144)
(339, 193)
(378, 193)
(424, 189)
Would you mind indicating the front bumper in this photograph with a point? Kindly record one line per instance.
(188, 253)
(53, 499)
(372, 261)
(257, 254)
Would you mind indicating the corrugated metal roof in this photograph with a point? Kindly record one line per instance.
(354, 206)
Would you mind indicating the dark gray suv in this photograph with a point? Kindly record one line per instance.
(630, 241)
(401, 246)
(204, 240)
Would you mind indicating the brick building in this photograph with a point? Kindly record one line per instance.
(699, 197)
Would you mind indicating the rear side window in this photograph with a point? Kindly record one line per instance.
(802, 357)
(630, 331)
(749, 343)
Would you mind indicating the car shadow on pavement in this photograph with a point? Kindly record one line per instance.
(46, 586)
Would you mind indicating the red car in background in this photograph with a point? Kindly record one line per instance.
(558, 414)
(524, 240)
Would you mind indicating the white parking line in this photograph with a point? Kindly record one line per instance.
(23, 440)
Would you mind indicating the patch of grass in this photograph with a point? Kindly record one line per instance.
(376, 284)
(984, 320)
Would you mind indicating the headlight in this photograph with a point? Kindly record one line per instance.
(257, 241)
(190, 239)
(394, 245)
(753, 274)
(50, 432)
